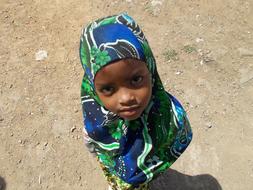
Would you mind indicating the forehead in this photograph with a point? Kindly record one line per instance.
(121, 69)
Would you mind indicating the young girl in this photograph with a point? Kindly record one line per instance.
(135, 127)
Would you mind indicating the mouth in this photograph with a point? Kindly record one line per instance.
(129, 111)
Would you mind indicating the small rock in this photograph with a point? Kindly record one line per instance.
(245, 52)
(209, 125)
(207, 59)
(156, 2)
(198, 40)
(1, 119)
(20, 141)
(41, 55)
(246, 76)
(39, 179)
(46, 143)
(73, 129)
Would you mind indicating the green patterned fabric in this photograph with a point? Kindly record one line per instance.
(133, 152)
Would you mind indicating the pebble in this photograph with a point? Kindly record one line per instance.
(73, 129)
(198, 40)
(207, 59)
(39, 179)
(209, 125)
(41, 55)
(156, 2)
(243, 52)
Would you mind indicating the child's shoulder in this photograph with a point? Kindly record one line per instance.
(174, 100)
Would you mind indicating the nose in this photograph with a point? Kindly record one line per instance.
(126, 97)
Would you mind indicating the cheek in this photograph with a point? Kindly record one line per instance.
(148, 95)
(145, 94)
(109, 103)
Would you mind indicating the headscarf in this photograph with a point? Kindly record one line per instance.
(137, 150)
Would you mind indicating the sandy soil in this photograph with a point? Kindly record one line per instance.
(210, 71)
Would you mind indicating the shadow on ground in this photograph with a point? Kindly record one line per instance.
(2, 183)
(174, 180)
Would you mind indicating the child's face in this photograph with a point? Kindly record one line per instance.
(124, 87)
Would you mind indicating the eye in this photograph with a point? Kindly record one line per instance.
(106, 90)
(136, 80)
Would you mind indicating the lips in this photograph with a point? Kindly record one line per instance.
(129, 108)
(129, 111)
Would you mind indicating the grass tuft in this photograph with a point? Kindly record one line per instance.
(171, 54)
(189, 49)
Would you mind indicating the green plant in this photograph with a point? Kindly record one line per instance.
(171, 54)
(189, 49)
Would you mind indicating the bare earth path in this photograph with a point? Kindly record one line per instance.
(204, 51)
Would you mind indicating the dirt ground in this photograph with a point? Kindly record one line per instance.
(204, 51)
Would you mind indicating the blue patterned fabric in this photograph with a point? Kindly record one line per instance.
(133, 151)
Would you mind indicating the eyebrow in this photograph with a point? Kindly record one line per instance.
(104, 84)
(138, 70)
(135, 71)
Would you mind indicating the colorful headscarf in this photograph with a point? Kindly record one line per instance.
(134, 151)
